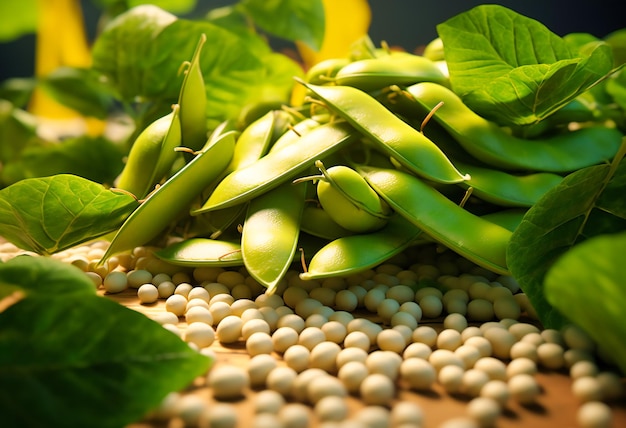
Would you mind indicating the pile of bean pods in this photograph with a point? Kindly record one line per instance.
(381, 155)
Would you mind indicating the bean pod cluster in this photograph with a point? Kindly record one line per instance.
(381, 155)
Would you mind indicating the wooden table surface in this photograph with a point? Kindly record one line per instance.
(555, 408)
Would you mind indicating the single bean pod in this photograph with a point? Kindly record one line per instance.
(295, 132)
(198, 252)
(269, 238)
(391, 134)
(173, 197)
(471, 236)
(356, 253)
(193, 102)
(487, 142)
(152, 155)
(395, 69)
(511, 190)
(348, 199)
(279, 166)
(254, 141)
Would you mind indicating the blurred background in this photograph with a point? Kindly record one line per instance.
(405, 23)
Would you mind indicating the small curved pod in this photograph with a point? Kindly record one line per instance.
(193, 101)
(390, 133)
(279, 166)
(490, 144)
(175, 195)
(473, 237)
(269, 237)
(352, 254)
(199, 252)
(317, 222)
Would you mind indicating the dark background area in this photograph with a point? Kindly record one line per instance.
(405, 23)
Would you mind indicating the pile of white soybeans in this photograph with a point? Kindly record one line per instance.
(424, 321)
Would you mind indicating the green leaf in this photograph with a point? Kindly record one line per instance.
(512, 69)
(17, 17)
(586, 203)
(141, 54)
(50, 214)
(587, 284)
(83, 360)
(289, 19)
(80, 89)
(43, 277)
(94, 158)
(17, 130)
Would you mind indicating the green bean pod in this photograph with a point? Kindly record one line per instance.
(487, 142)
(395, 69)
(510, 190)
(175, 195)
(254, 142)
(391, 134)
(279, 166)
(193, 102)
(295, 132)
(316, 221)
(152, 155)
(471, 236)
(324, 71)
(349, 200)
(199, 252)
(269, 238)
(507, 218)
(356, 253)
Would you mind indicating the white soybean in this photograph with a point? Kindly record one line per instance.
(391, 340)
(147, 293)
(425, 334)
(384, 362)
(311, 336)
(259, 342)
(431, 306)
(331, 408)
(258, 368)
(352, 374)
(524, 350)
(228, 382)
(268, 401)
(449, 339)
(482, 344)
(199, 314)
(583, 368)
(357, 339)
(444, 357)
(594, 414)
(297, 357)
(351, 354)
(324, 386)
(115, 282)
(521, 366)
(281, 380)
(294, 415)
(455, 321)
(417, 350)
(377, 390)
(473, 381)
(524, 388)
(283, 338)
(501, 341)
(495, 368)
(406, 413)
(587, 388)
(324, 356)
(200, 333)
(497, 390)
(229, 329)
(451, 378)
(419, 374)
(551, 355)
(176, 304)
(484, 410)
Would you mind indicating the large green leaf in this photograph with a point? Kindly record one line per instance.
(39, 277)
(141, 53)
(587, 203)
(512, 69)
(49, 214)
(17, 17)
(587, 284)
(78, 359)
(289, 19)
(94, 158)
